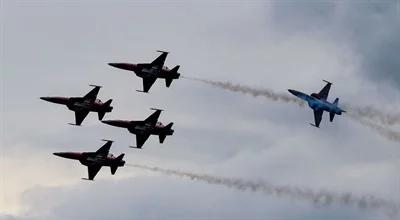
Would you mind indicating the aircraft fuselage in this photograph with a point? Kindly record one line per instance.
(79, 103)
(144, 70)
(318, 104)
(91, 158)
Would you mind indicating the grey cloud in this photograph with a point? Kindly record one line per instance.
(371, 28)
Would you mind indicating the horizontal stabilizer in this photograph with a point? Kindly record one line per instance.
(314, 125)
(141, 91)
(157, 109)
(101, 115)
(162, 138)
(331, 116)
(168, 82)
(87, 179)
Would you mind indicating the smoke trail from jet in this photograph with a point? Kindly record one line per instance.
(321, 198)
(373, 114)
(387, 133)
(356, 113)
(269, 94)
(359, 112)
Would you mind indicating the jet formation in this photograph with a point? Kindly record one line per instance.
(150, 72)
(319, 103)
(83, 105)
(143, 129)
(95, 160)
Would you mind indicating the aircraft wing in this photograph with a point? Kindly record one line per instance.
(318, 117)
(323, 94)
(105, 148)
(147, 83)
(153, 118)
(80, 116)
(141, 139)
(93, 170)
(92, 95)
(159, 61)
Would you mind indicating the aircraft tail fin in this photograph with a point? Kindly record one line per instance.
(173, 75)
(106, 106)
(175, 70)
(168, 126)
(114, 167)
(164, 134)
(336, 102)
(108, 103)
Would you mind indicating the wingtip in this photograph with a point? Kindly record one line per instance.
(74, 124)
(135, 147)
(94, 85)
(327, 81)
(107, 140)
(162, 51)
(157, 109)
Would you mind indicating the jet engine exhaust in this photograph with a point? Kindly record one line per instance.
(321, 198)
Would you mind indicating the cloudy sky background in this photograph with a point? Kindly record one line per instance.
(57, 48)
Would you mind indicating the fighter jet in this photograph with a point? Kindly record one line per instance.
(319, 103)
(143, 129)
(83, 105)
(151, 71)
(95, 160)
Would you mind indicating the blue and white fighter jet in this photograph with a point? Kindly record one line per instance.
(319, 103)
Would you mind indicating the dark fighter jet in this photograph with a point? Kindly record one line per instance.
(318, 102)
(95, 160)
(83, 105)
(151, 71)
(143, 129)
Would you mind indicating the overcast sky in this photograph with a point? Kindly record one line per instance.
(57, 48)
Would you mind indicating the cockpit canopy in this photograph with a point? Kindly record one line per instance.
(111, 155)
(98, 101)
(159, 124)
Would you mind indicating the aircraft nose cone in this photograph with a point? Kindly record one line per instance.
(58, 100)
(109, 122)
(124, 66)
(61, 154)
(117, 123)
(114, 64)
(45, 98)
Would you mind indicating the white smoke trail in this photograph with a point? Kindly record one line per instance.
(358, 114)
(318, 198)
(271, 95)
